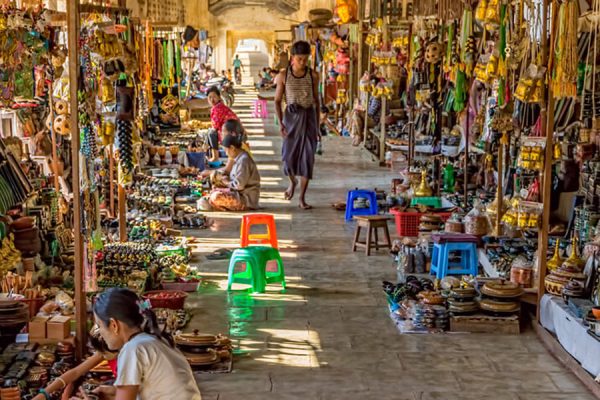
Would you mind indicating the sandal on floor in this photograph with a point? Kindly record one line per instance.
(339, 206)
(220, 254)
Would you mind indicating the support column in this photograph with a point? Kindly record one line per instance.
(74, 72)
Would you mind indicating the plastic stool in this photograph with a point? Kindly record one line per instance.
(270, 237)
(260, 109)
(256, 274)
(360, 194)
(440, 259)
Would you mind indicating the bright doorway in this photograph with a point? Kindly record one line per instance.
(255, 56)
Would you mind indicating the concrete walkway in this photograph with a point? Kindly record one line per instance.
(329, 337)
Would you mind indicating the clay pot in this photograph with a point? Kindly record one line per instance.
(26, 234)
(29, 246)
(554, 284)
(23, 223)
(28, 264)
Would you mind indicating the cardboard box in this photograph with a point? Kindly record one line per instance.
(58, 328)
(37, 327)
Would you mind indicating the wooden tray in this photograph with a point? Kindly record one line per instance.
(485, 324)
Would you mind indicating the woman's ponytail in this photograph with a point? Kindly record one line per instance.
(151, 327)
(125, 306)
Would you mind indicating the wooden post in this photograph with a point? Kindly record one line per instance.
(361, 47)
(122, 214)
(368, 98)
(466, 161)
(547, 119)
(80, 303)
(111, 179)
(499, 189)
(351, 78)
(54, 143)
(383, 103)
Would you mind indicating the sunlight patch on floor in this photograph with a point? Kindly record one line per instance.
(255, 130)
(291, 348)
(268, 167)
(230, 215)
(264, 152)
(260, 143)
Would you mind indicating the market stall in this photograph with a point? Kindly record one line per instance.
(91, 187)
(486, 112)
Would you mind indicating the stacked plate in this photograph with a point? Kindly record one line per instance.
(430, 223)
(441, 317)
(420, 317)
(13, 316)
(430, 317)
(461, 301)
(201, 349)
(501, 298)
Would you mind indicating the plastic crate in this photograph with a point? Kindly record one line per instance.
(435, 202)
(174, 303)
(407, 223)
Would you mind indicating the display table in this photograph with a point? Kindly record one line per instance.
(571, 333)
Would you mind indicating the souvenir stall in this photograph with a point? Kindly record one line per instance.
(497, 161)
(56, 180)
(165, 57)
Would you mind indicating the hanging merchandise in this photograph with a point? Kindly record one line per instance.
(125, 146)
(492, 15)
(566, 57)
(346, 11)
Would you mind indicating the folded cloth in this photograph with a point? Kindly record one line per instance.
(454, 238)
(197, 160)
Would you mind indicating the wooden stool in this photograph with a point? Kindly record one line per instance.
(372, 223)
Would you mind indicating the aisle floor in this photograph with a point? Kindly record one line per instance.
(329, 336)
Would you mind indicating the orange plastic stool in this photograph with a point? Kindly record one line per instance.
(263, 238)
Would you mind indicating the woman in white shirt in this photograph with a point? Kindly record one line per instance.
(149, 367)
(240, 185)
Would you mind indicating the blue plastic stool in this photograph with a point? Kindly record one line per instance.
(360, 194)
(440, 259)
(256, 274)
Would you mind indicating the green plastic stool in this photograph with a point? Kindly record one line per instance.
(256, 274)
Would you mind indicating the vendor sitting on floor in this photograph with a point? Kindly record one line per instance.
(219, 113)
(240, 189)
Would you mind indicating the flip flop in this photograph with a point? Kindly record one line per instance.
(306, 207)
(220, 254)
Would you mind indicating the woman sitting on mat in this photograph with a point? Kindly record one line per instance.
(238, 190)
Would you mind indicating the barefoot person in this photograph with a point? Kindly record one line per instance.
(300, 125)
